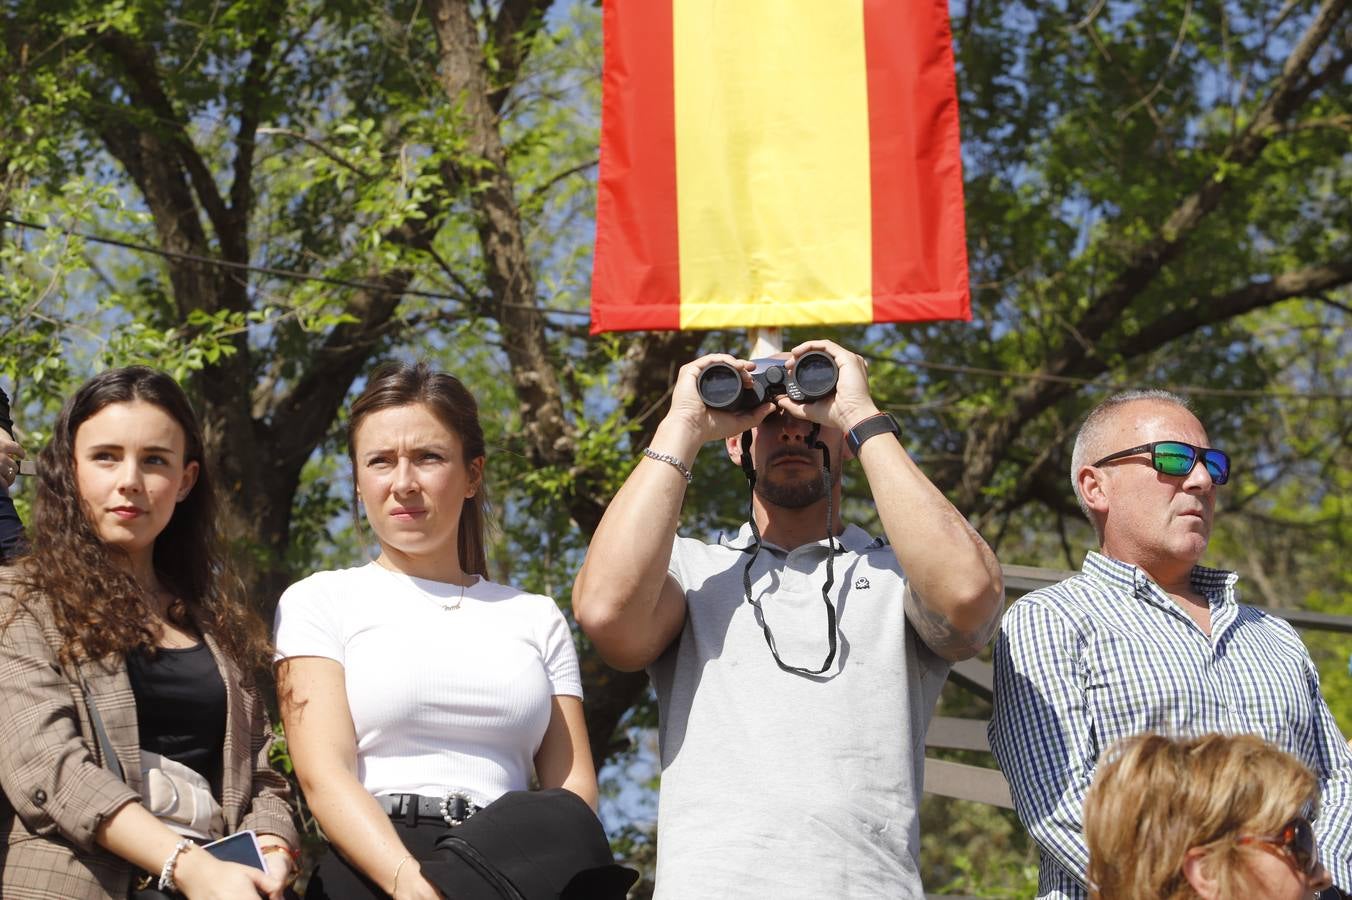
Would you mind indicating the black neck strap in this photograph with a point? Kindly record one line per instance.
(750, 470)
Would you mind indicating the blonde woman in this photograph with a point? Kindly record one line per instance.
(1215, 817)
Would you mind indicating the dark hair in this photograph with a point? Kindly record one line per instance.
(399, 384)
(99, 607)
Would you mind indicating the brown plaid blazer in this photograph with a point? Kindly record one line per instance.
(56, 788)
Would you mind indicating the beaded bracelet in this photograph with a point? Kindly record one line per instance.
(671, 460)
(166, 882)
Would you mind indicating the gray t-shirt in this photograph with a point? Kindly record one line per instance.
(782, 785)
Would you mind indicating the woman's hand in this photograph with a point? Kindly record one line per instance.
(280, 865)
(201, 876)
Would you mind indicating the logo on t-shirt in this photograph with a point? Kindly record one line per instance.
(861, 584)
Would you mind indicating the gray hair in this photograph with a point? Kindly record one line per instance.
(1094, 423)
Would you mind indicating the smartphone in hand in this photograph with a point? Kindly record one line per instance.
(240, 847)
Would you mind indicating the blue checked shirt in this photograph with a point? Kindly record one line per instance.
(1105, 655)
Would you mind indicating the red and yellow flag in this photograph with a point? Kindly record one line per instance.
(778, 162)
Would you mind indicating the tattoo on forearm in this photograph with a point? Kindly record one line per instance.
(941, 636)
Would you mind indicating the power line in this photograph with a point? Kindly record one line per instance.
(270, 270)
(434, 295)
(1110, 386)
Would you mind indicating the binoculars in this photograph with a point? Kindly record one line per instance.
(813, 376)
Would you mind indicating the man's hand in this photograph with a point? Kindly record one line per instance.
(10, 454)
(850, 404)
(689, 411)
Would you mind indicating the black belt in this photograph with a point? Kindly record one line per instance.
(453, 807)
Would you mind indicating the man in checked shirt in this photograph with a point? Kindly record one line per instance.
(1145, 639)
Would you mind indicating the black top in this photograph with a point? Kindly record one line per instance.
(11, 527)
(180, 707)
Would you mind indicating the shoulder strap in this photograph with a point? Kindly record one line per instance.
(105, 746)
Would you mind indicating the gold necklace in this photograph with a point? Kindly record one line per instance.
(458, 600)
(446, 607)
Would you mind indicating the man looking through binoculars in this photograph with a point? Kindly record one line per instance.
(797, 662)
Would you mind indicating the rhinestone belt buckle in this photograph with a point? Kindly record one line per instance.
(456, 808)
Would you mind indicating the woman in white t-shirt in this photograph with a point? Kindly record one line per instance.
(414, 690)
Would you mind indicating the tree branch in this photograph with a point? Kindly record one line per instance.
(252, 94)
(649, 370)
(513, 30)
(302, 415)
(560, 176)
(1335, 123)
(1218, 308)
(1143, 264)
(508, 270)
(321, 147)
(173, 212)
(1203, 311)
(147, 91)
(305, 411)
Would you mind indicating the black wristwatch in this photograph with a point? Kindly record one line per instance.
(882, 423)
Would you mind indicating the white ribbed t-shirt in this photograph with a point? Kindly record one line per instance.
(441, 699)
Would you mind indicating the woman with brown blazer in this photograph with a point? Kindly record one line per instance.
(120, 619)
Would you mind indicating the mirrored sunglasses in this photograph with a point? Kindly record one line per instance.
(1178, 458)
(1295, 840)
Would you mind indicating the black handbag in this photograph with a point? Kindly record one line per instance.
(530, 845)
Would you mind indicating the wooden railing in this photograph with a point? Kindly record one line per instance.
(959, 780)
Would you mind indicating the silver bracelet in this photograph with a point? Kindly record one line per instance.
(672, 460)
(167, 870)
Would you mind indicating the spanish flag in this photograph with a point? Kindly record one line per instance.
(777, 163)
